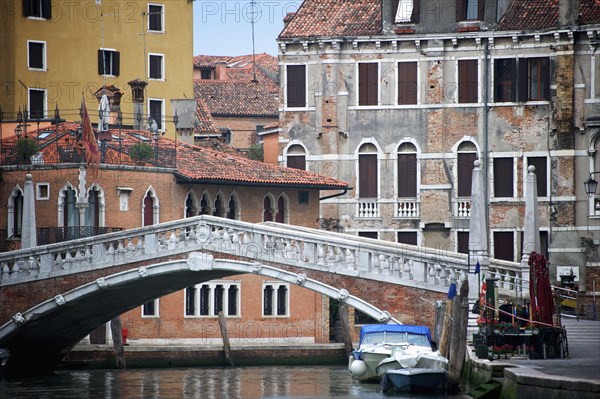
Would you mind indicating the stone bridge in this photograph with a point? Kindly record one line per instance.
(52, 296)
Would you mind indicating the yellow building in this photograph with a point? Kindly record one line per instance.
(52, 51)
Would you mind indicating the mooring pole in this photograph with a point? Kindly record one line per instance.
(225, 336)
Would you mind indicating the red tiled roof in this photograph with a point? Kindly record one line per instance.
(200, 163)
(206, 165)
(335, 18)
(523, 15)
(205, 120)
(248, 75)
(236, 98)
(239, 61)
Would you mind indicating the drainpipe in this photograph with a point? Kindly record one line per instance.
(334, 195)
(486, 200)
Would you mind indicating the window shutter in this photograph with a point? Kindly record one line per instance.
(296, 162)
(372, 84)
(460, 10)
(545, 78)
(503, 245)
(462, 238)
(362, 84)
(47, 9)
(407, 175)
(407, 83)
(522, 79)
(414, 18)
(296, 86)
(407, 237)
(394, 10)
(100, 62)
(465, 172)
(116, 70)
(480, 10)
(26, 8)
(503, 177)
(367, 165)
(467, 81)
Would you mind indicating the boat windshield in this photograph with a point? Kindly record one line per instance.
(386, 337)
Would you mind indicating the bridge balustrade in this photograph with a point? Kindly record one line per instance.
(267, 242)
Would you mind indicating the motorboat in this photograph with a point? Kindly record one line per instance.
(390, 346)
(416, 380)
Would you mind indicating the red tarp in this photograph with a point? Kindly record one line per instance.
(540, 291)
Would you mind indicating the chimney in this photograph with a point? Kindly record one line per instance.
(288, 17)
(137, 97)
(221, 70)
(568, 12)
(114, 97)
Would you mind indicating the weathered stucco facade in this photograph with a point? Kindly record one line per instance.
(509, 89)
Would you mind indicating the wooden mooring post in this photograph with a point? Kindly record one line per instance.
(116, 329)
(343, 313)
(458, 343)
(225, 336)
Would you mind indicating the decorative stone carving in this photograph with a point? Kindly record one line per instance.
(19, 319)
(301, 279)
(143, 271)
(101, 282)
(343, 295)
(60, 300)
(198, 261)
(256, 268)
(385, 317)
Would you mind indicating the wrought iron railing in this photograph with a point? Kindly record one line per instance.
(51, 235)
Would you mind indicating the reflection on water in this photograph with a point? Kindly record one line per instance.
(239, 382)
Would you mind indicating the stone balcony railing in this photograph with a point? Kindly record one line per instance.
(462, 208)
(408, 208)
(307, 248)
(367, 208)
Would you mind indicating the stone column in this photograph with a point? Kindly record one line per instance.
(28, 229)
(531, 229)
(478, 232)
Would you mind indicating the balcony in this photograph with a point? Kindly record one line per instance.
(367, 208)
(407, 208)
(462, 208)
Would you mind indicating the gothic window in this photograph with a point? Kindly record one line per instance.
(281, 215)
(92, 212)
(407, 171)
(232, 207)
(219, 209)
(267, 209)
(275, 299)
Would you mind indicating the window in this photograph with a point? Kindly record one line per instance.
(503, 177)
(303, 197)
(205, 73)
(208, 299)
(505, 80)
(37, 103)
(462, 242)
(281, 215)
(156, 66)
(402, 12)
(148, 209)
(541, 169)
(232, 208)
(92, 212)
(156, 111)
(37, 8)
(526, 79)
(155, 17)
(504, 245)
(15, 213)
(296, 86)
(367, 171)
(369, 234)
(407, 237)
(36, 55)
(275, 299)
(470, 10)
(296, 157)
(465, 162)
(267, 209)
(150, 308)
(368, 86)
(468, 81)
(70, 212)
(108, 62)
(204, 201)
(543, 245)
(407, 171)
(407, 83)
(219, 209)
(42, 191)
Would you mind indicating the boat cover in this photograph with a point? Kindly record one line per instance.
(399, 328)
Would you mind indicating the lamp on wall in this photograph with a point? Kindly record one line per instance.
(591, 185)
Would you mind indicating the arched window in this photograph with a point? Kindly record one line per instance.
(267, 209)
(232, 207)
(15, 213)
(281, 215)
(219, 209)
(204, 201)
(296, 157)
(465, 157)
(407, 171)
(191, 205)
(71, 214)
(367, 171)
(148, 210)
(92, 212)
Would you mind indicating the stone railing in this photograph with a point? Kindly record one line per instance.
(462, 208)
(407, 208)
(367, 208)
(307, 248)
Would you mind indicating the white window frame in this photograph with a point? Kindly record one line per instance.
(227, 284)
(537, 154)
(162, 66)
(162, 111)
(495, 198)
(109, 50)
(275, 285)
(162, 18)
(38, 191)
(45, 102)
(44, 67)
(156, 314)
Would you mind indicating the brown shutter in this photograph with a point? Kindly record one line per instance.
(367, 170)
(148, 211)
(541, 169)
(26, 8)
(503, 177)
(407, 237)
(407, 83)
(116, 63)
(545, 78)
(468, 83)
(462, 238)
(504, 245)
(460, 10)
(47, 9)
(523, 79)
(372, 83)
(296, 162)
(296, 86)
(394, 10)
(100, 62)
(407, 175)
(465, 172)
(414, 18)
(367, 83)
(480, 10)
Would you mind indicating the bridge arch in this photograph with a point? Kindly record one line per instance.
(67, 318)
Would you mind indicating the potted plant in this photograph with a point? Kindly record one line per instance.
(26, 147)
(141, 152)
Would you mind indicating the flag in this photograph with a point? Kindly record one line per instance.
(88, 139)
(452, 290)
(482, 293)
(477, 268)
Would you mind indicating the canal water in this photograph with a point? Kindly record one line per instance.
(228, 383)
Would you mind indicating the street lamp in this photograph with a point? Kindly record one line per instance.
(18, 131)
(590, 185)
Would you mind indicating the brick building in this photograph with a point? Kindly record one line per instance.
(399, 98)
(169, 180)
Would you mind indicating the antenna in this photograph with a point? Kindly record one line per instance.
(253, 52)
(99, 4)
